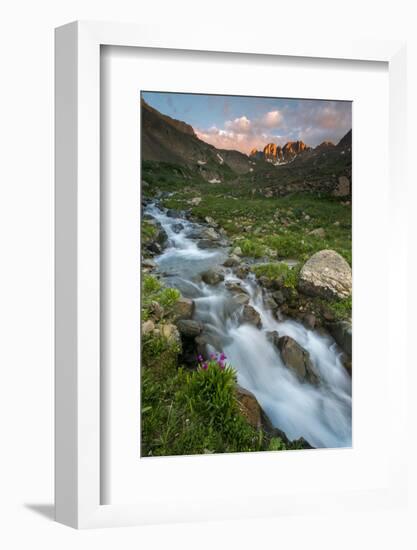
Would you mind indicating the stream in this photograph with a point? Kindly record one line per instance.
(321, 414)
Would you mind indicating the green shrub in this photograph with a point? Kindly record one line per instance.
(194, 412)
(252, 248)
(278, 270)
(154, 291)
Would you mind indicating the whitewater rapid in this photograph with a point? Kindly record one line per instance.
(321, 414)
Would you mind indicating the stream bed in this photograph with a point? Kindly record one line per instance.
(320, 414)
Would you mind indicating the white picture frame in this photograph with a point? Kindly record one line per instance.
(78, 404)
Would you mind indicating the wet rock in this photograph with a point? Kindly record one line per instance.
(172, 213)
(189, 328)
(342, 333)
(154, 247)
(206, 243)
(327, 275)
(235, 286)
(297, 359)
(232, 261)
(270, 303)
(273, 337)
(210, 234)
(251, 316)
(177, 227)
(184, 308)
(148, 327)
(279, 297)
(212, 276)
(241, 271)
(249, 407)
(240, 299)
(310, 320)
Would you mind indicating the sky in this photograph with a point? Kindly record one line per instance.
(245, 123)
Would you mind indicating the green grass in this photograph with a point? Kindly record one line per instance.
(154, 291)
(288, 275)
(194, 413)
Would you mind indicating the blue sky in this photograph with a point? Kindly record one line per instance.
(244, 123)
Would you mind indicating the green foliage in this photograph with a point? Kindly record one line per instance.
(194, 413)
(342, 309)
(276, 444)
(160, 353)
(153, 291)
(148, 231)
(278, 270)
(252, 247)
(211, 393)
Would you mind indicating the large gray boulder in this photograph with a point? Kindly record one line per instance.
(327, 275)
(297, 359)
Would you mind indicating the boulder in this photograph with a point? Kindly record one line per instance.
(184, 308)
(237, 251)
(342, 333)
(156, 310)
(273, 337)
(297, 359)
(210, 234)
(251, 316)
(189, 328)
(195, 201)
(235, 286)
(177, 227)
(172, 213)
(279, 297)
(150, 264)
(249, 407)
(210, 221)
(170, 333)
(310, 320)
(270, 303)
(327, 275)
(232, 261)
(241, 271)
(240, 298)
(342, 188)
(154, 247)
(212, 276)
(207, 243)
(147, 327)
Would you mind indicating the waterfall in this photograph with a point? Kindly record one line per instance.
(321, 414)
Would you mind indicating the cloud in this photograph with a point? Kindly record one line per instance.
(241, 125)
(272, 119)
(311, 121)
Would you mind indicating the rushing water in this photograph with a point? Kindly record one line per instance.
(322, 414)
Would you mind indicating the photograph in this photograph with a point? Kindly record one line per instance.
(246, 273)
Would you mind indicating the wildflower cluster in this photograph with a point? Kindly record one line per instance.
(216, 360)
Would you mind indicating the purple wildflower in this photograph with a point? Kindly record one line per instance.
(222, 357)
(200, 358)
(204, 366)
